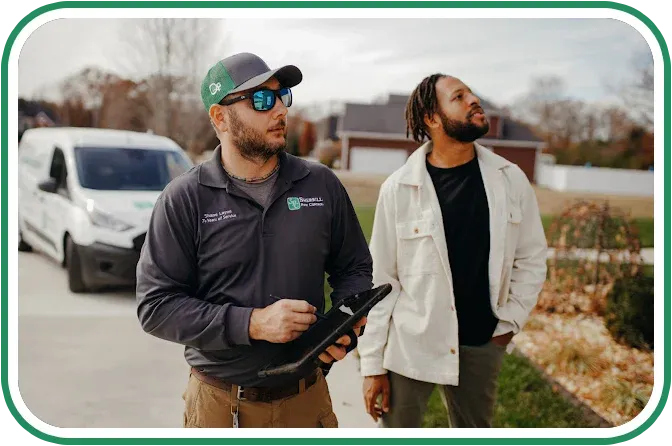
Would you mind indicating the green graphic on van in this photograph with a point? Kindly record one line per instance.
(293, 203)
(143, 204)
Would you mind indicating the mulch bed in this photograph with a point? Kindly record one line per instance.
(577, 352)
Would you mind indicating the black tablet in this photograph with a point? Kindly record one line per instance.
(304, 351)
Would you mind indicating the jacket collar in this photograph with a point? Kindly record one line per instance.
(212, 172)
(414, 172)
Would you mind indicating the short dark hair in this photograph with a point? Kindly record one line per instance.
(423, 102)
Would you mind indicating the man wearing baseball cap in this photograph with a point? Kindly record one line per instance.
(251, 223)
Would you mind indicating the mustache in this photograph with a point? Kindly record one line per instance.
(282, 125)
(475, 110)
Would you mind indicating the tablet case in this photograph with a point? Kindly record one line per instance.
(302, 354)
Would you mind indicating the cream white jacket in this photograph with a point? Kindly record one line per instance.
(413, 331)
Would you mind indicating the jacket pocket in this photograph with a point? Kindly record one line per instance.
(417, 248)
(514, 217)
(329, 420)
(505, 285)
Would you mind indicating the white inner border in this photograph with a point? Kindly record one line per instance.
(332, 13)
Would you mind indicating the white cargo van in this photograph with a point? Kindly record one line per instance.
(86, 196)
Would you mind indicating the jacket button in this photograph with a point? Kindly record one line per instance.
(452, 350)
(415, 230)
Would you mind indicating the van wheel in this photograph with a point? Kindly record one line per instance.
(74, 265)
(23, 246)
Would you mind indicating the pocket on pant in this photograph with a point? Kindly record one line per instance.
(329, 420)
(190, 397)
(327, 417)
(207, 406)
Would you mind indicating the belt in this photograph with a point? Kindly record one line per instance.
(260, 394)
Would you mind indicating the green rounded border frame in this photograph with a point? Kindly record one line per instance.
(326, 5)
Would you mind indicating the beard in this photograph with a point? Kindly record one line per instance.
(252, 143)
(465, 131)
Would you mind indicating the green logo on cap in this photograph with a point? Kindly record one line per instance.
(216, 85)
(293, 204)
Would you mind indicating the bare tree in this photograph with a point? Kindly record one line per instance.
(617, 124)
(570, 123)
(559, 120)
(124, 106)
(538, 107)
(172, 55)
(86, 89)
(638, 94)
(635, 93)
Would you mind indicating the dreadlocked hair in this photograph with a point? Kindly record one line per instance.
(423, 102)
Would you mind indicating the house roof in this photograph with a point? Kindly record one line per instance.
(398, 99)
(327, 127)
(401, 100)
(374, 118)
(490, 108)
(33, 109)
(515, 131)
(389, 119)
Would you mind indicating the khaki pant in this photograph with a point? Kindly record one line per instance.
(208, 406)
(470, 404)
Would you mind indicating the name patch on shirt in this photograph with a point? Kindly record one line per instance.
(296, 203)
(218, 216)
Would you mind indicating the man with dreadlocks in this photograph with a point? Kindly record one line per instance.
(458, 234)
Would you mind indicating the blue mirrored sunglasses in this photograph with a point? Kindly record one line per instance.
(263, 99)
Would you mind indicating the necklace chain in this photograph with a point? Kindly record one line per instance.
(252, 180)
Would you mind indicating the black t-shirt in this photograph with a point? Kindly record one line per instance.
(464, 207)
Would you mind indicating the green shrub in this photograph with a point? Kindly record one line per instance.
(630, 311)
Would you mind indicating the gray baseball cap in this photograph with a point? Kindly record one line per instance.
(241, 72)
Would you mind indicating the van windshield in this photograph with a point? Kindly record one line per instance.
(105, 168)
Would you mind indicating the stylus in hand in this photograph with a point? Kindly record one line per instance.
(317, 313)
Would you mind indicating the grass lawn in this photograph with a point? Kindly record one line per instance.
(365, 216)
(525, 398)
(644, 225)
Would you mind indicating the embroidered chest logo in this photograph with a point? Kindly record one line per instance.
(296, 203)
(218, 216)
(293, 204)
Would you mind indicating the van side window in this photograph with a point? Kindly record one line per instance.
(59, 172)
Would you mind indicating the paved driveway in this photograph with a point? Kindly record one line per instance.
(84, 361)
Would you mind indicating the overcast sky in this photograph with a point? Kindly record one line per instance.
(362, 59)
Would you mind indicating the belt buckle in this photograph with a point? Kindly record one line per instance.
(240, 394)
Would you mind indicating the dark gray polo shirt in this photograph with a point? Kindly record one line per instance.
(212, 254)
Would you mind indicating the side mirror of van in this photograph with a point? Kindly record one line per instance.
(49, 185)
